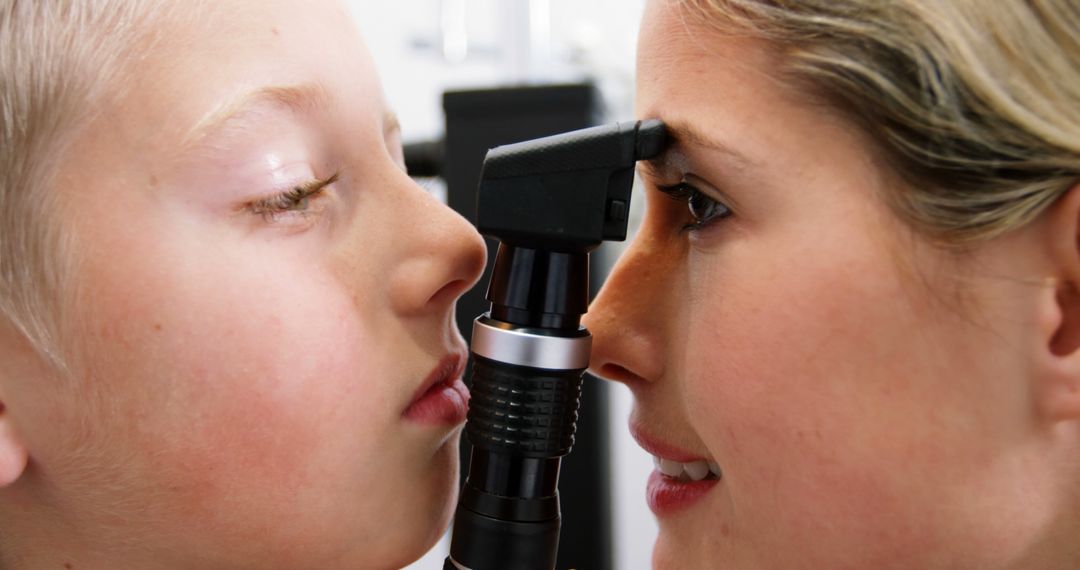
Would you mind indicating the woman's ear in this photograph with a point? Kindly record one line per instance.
(13, 454)
(18, 361)
(1058, 389)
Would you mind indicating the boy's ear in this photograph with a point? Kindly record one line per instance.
(1058, 384)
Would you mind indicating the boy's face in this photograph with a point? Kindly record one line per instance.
(245, 368)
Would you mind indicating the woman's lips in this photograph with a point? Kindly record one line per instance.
(689, 476)
(667, 496)
(660, 448)
(442, 399)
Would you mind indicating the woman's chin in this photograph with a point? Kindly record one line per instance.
(689, 546)
(666, 554)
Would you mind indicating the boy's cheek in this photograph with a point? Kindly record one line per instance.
(224, 333)
(225, 397)
(227, 365)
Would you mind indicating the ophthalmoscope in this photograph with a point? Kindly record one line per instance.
(549, 202)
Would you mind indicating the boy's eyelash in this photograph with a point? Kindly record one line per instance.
(289, 200)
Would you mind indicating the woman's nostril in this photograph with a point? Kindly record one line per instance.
(616, 373)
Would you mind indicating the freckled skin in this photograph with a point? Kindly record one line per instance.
(808, 344)
(240, 385)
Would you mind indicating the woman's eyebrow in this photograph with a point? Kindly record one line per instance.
(305, 98)
(682, 134)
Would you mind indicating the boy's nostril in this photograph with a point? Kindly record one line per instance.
(449, 293)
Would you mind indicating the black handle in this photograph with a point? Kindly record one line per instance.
(521, 422)
(521, 410)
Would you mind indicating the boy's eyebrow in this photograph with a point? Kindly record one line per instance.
(390, 123)
(304, 98)
(300, 98)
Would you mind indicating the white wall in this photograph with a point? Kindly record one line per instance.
(409, 39)
(417, 45)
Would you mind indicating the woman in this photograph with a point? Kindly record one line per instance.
(851, 318)
(228, 336)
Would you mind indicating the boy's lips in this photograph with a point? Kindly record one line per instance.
(442, 398)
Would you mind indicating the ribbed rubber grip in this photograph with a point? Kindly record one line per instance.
(530, 412)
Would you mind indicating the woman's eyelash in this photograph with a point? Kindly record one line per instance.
(293, 200)
(704, 210)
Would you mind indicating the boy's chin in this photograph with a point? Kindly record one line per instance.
(434, 511)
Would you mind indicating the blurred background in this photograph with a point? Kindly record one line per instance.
(465, 75)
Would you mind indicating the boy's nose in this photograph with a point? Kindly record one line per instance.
(442, 255)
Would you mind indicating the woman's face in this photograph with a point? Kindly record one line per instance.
(792, 333)
(250, 367)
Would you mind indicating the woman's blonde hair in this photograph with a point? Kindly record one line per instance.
(58, 58)
(975, 104)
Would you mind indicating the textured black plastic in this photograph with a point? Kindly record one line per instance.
(608, 146)
(564, 193)
(520, 410)
(605, 147)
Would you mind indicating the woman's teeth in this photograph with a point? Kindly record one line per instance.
(692, 471)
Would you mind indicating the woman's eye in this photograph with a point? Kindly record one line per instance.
(704, 210)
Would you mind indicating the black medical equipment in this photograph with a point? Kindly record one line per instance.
(549, 202)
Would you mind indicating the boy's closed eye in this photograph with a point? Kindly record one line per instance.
(293, 202)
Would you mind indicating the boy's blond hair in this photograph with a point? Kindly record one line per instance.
(58, 59)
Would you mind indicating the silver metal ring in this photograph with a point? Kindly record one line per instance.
(457, 564)
(527, 349)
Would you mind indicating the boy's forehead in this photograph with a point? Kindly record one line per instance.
(250, 108)
(305, 98)
(194, 88)
(245, 52)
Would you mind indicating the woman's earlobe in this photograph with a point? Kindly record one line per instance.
(1065, 339)
(1058, 389)
(13, 453)
(1058, 392)
(1058, 396)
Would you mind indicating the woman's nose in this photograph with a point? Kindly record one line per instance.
(441, 255)
(629, 318)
